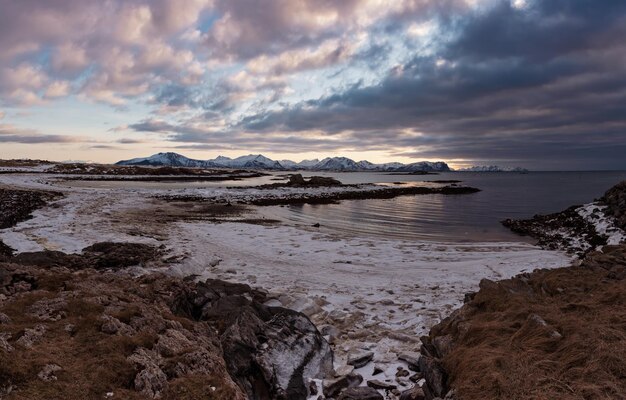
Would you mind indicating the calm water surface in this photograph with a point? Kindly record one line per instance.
(473, 217)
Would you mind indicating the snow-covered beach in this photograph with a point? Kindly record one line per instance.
(364, 294)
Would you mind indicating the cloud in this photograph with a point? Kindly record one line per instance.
(12, 134)
(532, 80)
(492, 92)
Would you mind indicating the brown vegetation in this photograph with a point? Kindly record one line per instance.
(85, 335)
(550, 334)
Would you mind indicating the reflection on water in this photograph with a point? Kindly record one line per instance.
(473, 217)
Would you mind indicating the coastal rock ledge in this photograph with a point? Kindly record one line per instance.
(89, 334)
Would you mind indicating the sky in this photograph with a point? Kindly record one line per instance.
(530, 83)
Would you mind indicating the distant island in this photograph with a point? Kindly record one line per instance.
(492, 168)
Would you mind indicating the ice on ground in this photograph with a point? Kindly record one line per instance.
(364, 294)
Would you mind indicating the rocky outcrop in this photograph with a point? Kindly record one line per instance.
(566, 230)
(615, 200)
(83, 331)
(271, 352)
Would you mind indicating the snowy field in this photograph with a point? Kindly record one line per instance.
(364, 294)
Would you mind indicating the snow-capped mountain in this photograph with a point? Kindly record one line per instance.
(308, 163)
(168, 159)
(258, 161)
(252, 161)
(336, 164)
(492, 168)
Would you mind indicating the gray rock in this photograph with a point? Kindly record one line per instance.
(4, 319)
(416, 393)
(412, 361)
(376, 384)
(47, 373)
(151, 380)
(4, 342)
(271, 352)
(360, 393)
(31, 336)
(332, 387)
(360, 360)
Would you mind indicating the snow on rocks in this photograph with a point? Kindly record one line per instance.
(605, 225)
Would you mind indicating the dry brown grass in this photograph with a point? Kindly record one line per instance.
(500, 351)
(94, 362)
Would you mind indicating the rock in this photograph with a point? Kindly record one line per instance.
(47, 373)
(49, 309)
(150, 380)
(271, 352)
(376, 384)
(416, 393)
(411, 360)
(378, 370)
(70, 328)
(4, 342)
(360, 360)
(112, 326)
(31, 336)
(344, 370)
(402, 373)
(316, 225)
(360, 393)
(172, 343)
(332, 387)
(435, 377)
(4, 319)
(296, 180)
(313, 388)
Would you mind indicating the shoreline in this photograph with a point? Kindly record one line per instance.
(365, 295)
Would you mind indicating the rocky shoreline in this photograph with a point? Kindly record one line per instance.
(341, 192)
(79, 326)
(579, 229)
(547, 334)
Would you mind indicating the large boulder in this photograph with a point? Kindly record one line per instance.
(271, 352)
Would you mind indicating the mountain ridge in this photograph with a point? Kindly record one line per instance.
(258, 161)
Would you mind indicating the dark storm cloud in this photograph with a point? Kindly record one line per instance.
(544, 84)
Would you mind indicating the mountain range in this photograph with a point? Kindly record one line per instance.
(257, 161)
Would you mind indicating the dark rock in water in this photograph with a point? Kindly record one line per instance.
(323, 181)
(360, 393)
(360, 360)
(332, 387)
(316, 225)
(296, 180)
(271, 352)
(376, 384)
(416, 393)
